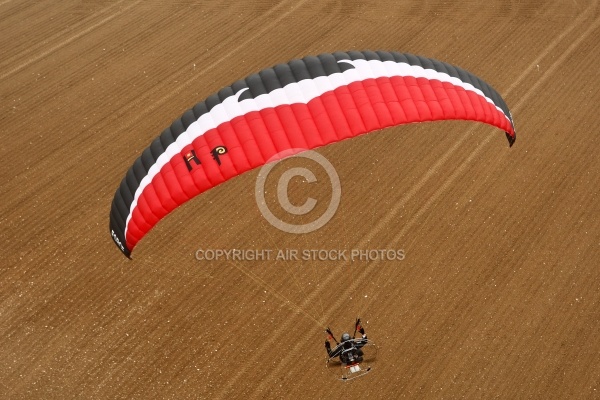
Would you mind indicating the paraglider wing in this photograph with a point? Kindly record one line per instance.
(303, 104)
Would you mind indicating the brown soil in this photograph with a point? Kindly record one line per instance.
(499, 293)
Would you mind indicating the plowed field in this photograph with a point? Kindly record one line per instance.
(499, 291)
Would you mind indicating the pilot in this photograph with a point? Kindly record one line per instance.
(349, 349)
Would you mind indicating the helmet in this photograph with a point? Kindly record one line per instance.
(345, 337)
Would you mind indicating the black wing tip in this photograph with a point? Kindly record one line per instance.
(119, 243)
(126, 252)
(511, 138)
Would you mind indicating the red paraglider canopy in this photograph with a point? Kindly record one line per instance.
(303, 104)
